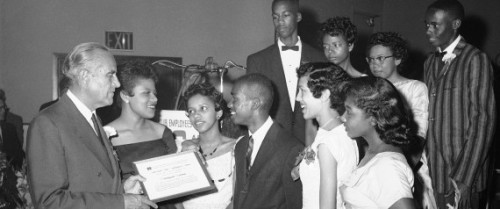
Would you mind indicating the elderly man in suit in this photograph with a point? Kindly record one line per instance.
(265, 157)
(70, 160)
(280, 61)
(461, 109)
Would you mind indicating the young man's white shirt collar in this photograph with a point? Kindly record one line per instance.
(258, 137)
(290, 60)
(86, 112)
(449, 50)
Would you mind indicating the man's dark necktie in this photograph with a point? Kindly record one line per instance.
(294, 48)
(249, 152)
(439, 54)
(96, 127)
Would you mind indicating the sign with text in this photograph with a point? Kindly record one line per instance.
(177, 121)
(120, 40)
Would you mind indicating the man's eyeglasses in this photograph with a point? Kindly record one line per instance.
(377, 60)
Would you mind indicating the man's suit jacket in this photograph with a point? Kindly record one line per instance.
(461, 117)
(17, 122)
(268, 184)
(11, 145)
(268, 62)
(69, 167)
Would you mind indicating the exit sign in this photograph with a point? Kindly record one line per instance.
(120, 40)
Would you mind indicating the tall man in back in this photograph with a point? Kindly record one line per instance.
(280, 61)
(70, 159)
(461, 109)
(265, 157)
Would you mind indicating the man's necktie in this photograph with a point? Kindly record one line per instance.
(439, 54)
(96, 128)
(249, 152)
(294, 48)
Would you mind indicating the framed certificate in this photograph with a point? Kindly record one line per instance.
(172, 176)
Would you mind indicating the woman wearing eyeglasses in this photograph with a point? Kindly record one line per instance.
(206, 109)
(387, 52)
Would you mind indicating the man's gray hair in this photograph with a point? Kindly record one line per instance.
(79, 58)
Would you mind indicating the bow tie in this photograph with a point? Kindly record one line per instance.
(294, 48)
(439, 54)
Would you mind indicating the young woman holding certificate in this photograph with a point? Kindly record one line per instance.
(206, 108)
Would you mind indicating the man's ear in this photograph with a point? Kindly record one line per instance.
(456, 24)
(299, 16)
(351, 47)
(84, 76)
(256, 103)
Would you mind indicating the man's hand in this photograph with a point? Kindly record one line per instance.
(461, 191)
(133, 201)
(132, 185)
(465, 192)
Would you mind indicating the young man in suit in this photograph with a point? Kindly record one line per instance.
(461, 109)
(280, 61)
(265, 157)
(70, 160)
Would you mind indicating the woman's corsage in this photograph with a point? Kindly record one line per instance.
(448, 57)
(110, 131)
(308, 155)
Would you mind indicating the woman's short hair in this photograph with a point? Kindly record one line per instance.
(326, 75)
(393, 41)
(208, 90)
(131, 71)
(337, 26)
(378, 98)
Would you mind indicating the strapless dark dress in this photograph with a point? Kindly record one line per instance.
(128, 153)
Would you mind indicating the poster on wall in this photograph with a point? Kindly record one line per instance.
(178, 122)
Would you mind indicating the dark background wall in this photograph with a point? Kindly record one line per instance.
(32, 31)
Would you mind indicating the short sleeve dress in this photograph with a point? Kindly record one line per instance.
(416, 93)
(380, 183)
(345, 152)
